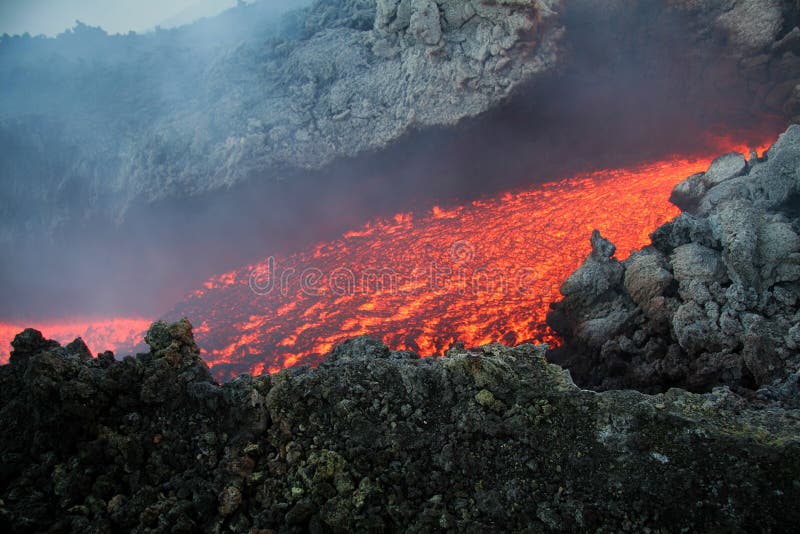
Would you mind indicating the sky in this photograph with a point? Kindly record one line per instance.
(51, 17)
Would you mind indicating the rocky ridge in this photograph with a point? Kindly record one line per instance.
(377, 440)
(333, 80)
(713, 301)
(106, 121)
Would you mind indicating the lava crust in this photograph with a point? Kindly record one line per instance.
(713, 300)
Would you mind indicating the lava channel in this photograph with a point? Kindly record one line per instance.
(476, 273)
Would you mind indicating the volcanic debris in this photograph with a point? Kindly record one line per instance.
(375, 440)
(713, 301)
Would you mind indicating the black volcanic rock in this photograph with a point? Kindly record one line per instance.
(713, 301)
(28, 343)
(491, 438)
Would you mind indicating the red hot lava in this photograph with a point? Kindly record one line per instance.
(478, 273)
(119, 334)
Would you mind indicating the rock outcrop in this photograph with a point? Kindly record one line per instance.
(713, 301)
(188, 115)
(376, 440)
(107, 121)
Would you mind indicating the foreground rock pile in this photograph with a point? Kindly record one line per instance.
(375, 440)
(713, 301)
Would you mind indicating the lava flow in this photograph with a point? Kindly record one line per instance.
(478, 273)
(121, 334)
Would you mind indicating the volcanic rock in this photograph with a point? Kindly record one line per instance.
(696, 262)
(752, 24)
(107, 122)
(30, 342)
(688, 193)
(277, 95)
(724, 168)
(713, 300)
(493, 437)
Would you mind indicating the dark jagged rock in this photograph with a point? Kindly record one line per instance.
(713, 301)
(30, 342)
(375, 440)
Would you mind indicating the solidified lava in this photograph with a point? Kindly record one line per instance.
(118, 334)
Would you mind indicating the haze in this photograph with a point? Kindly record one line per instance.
(51, 17)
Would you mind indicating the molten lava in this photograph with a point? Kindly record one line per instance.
(121, 334)
(478, 273)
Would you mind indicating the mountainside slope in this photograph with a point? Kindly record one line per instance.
(92, 123)
(100, 121)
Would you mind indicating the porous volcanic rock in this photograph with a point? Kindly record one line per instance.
(714, 299)
(375, 440)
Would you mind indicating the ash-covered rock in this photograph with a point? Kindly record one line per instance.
(713, 301)
(249, 94)
(92, 125)
(375, 440)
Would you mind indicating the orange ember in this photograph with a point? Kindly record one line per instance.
(478, 273)
(120, 334)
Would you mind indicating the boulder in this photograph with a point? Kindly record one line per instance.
(696, 262)
(688, 194)
(712, 301)
(724, 168)
(29, 342)
(600, 273)
(646, 277)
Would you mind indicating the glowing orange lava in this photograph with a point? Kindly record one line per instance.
(478, 273)
(118, 335)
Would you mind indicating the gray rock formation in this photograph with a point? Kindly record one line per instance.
(172, 116)
(713, 301)
(91, 124)
(375, 440)
(751, 25)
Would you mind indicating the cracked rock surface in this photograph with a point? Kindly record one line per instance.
(714, 299)
(186, 111)
(92, 125)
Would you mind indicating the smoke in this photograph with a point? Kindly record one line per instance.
(634, 88)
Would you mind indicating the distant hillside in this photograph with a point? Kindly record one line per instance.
(199, 10)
